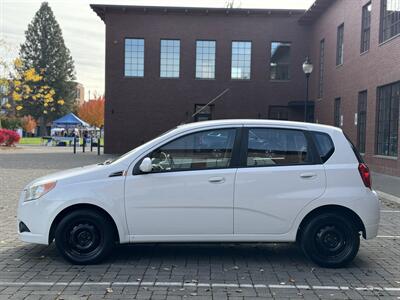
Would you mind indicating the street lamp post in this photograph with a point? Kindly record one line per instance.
(307, 69)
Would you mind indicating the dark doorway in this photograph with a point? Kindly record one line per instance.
(278, 113)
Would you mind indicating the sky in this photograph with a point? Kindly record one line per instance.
(83, 31)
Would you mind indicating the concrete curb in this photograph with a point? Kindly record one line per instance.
(388, 197)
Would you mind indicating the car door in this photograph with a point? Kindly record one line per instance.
(280, 175)
(189, 191)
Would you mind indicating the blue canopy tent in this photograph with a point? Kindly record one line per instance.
(67, 128)
(70, 121)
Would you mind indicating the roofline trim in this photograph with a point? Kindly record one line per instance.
(101, 9)
(315, 11)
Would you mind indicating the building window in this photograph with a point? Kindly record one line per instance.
(278, 113)
(361, 121)
(170, 58)
(388, 119)
(321, 68)
(336, 113)
(340, 44)
(202, 112)
(280, 61)
(241, 60)
(205, 59)
(366, 27)
(134, 57)
(390, 19)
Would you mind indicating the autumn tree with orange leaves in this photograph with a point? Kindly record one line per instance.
(92, 112)
(28, 124)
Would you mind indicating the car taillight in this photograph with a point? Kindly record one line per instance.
(365, 174)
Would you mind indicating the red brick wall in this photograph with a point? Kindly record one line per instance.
(379, 66)
(138, 109)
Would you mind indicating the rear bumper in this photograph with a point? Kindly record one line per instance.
(371, 231)
(373, 217)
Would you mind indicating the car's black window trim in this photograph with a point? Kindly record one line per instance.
(355, 150)
(315, 159)
(234, 163)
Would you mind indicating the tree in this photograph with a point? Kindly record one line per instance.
(44, 53)
(92, 112)
(7, 69)
(28, 94)
(12, 123)
(28, 124)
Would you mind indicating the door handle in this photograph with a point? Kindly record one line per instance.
(308, 175)
(216, 179)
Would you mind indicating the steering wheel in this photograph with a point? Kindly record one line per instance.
(166, 158)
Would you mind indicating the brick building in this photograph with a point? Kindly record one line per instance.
(165, 63)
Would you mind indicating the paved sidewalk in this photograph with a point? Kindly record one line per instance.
(180, 271)
(387, 186)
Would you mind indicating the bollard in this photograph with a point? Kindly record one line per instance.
(74, 144)
(83, 145)
(91, 144)
(98, 146)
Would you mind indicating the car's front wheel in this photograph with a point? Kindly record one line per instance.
(84, 237)
(330, 240)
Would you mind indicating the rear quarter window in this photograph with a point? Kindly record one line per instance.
(356, 152)
(324, 145)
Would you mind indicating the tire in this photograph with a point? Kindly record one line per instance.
(330, 240)
(85, 237)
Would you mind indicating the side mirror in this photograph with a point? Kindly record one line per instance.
(146, 166)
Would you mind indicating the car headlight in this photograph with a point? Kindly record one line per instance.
(36, 191)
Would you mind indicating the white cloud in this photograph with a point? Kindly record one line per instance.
(83, 31)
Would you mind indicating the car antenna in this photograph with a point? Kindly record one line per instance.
(209, 103)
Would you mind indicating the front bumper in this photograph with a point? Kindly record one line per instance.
(34, 214)
(33, 238)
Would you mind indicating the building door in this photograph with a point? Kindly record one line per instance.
(278, 113)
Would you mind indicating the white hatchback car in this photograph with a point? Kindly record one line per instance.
(213, 181)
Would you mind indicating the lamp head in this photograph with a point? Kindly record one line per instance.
(308, 66)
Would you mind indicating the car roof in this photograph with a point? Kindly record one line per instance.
(259, 122)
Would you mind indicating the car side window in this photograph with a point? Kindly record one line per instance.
(324, 145)
(201, 150)
(277, 147)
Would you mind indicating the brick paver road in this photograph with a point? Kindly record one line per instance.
(180, 271)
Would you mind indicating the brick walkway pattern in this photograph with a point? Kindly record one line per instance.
(180, 271)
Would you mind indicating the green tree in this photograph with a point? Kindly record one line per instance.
(44, 50)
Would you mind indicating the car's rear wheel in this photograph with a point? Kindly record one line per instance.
(330, 240)
(84, 237)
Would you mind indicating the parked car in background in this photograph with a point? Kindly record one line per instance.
(212, 181)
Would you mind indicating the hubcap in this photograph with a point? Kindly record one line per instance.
(330, 240)
(83, 238)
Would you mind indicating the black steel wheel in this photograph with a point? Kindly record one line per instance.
(84, 237)
(330, 240)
